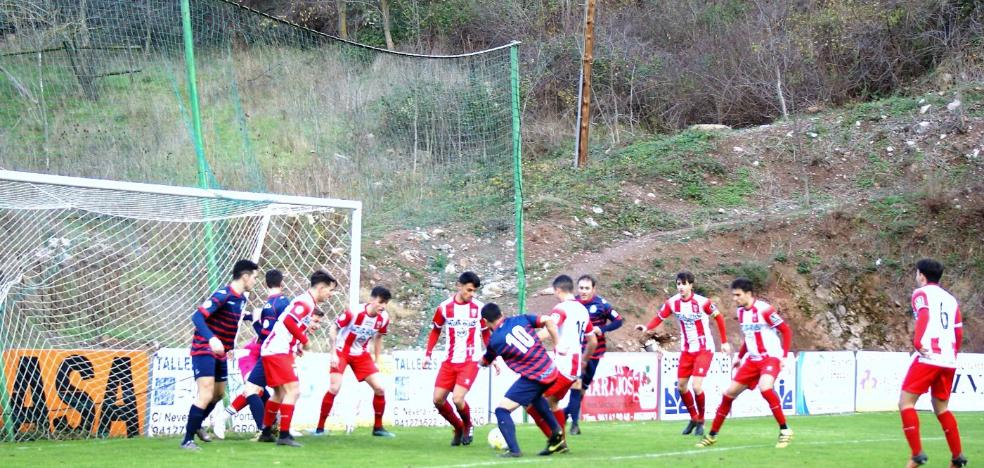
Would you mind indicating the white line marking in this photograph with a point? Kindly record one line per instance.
(535, 459)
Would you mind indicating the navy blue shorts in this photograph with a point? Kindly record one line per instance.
(257, 376)
(210, 366)
(524, 391)
(588, 375)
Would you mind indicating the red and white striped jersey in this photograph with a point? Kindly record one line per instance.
(356, 330)
(464, 325)
(693, 315)
(944, 318)
(281, 340)
(573, 322)
(758, 324)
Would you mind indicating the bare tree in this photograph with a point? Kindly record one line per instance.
(385, 10)
(342, 18)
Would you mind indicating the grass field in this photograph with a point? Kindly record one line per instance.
(868, 440)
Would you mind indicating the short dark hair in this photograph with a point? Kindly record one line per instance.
(381, 292)
(491, 312)
(274, 278)
(563, 283)
(469, 277)
(931, 269)
(322, 277)
(744, 284)
(589, 278)
(242, 267)
(685, 277)
(318, 312)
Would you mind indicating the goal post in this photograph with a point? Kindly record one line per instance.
(96, 276)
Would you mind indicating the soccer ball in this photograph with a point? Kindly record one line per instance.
(497, 440)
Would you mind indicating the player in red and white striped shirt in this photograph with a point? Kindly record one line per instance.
(939, 332)
(574, 327)
(288, 338)
(355, 329)
(697, 349)
(467, 335)
(762, 356)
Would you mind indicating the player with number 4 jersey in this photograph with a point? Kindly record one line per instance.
(937, 339)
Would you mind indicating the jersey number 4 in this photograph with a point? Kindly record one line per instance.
(520, 338)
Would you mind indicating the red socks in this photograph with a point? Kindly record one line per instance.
(949, 424)
(775, 405)
(465, 416)
(448, 414)
(326, 404)
(239, 403)
(699, 399)
(910, 427)
(561, 420)
(270, 415)
(378, 406)
(540, 422)
(722, 413)
(688, 401)
(286, 413)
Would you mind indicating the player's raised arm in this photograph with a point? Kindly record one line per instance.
(658, 319)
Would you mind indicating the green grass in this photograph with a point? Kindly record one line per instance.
(859, 440)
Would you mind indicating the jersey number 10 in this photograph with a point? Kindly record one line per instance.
(519, 338)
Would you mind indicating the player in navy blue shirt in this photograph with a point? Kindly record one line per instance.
(605, 319)
(514, 340)
(216, 322)
(254, 392)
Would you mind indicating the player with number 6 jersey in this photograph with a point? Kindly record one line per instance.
(467, 335)
(937, 339)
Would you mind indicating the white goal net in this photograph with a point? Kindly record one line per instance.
(95, 276)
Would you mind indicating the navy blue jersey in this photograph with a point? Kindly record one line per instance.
(516, 341)
(221, 312)
(602, 317)
(274, 306)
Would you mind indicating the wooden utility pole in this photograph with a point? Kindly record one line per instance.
(584, 87)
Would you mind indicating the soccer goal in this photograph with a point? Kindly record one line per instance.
(96, 276)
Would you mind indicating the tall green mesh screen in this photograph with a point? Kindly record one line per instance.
(97, 88)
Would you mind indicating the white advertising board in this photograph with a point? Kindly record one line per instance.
(825, 382)
(717, 381)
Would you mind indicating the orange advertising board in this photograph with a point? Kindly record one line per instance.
(102, 393)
